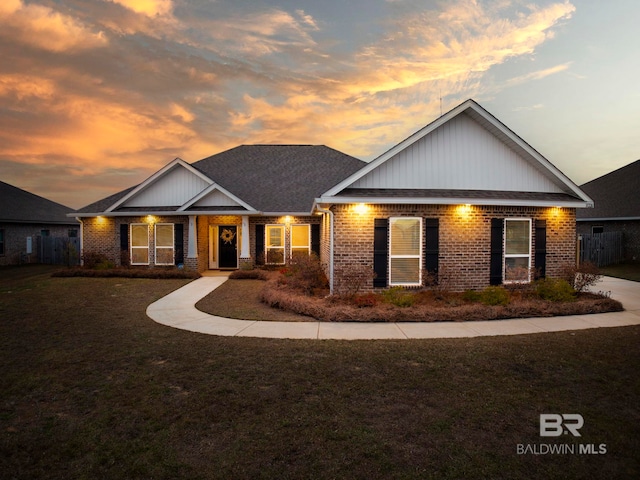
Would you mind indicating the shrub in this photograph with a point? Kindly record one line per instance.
(471, 296)
(248, 274)
(398, 296)
(352, 278)
(365, 300)
(495, 295)
(97, 261)
(306, 273)
(581, 276)
(555, 290)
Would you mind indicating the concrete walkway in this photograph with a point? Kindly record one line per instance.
(178, 310)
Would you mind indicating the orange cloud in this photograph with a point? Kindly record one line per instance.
(45, 28)
(150, 8)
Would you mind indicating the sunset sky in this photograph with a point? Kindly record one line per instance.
(96, 95)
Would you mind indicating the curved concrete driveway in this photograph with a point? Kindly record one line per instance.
(178, 310)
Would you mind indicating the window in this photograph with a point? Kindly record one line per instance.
(73, 233)
(597, 229)
(45, 233)
(300, 240)
(164, 244)
(405, 251)
(517, 250)
(1, 241)
(139, 244)
(274, 244)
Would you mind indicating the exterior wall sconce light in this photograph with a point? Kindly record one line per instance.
(361, 208)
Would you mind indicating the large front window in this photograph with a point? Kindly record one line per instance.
(274, 244)
(139, 244)
(405, 251)
(517, 250)
(300, 240)
(164, 244)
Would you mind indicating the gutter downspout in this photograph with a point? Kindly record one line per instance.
(326, 210)
(81, 241)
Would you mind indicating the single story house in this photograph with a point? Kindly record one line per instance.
(464, 200)
(26, 219)
(617, 208)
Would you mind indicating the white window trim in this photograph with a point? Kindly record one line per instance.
(308, 246)
(516, 255)
(131, 246)
(419, 256)
(267, 247)
(173, 243)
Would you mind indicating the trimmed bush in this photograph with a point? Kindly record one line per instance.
(399, 297)
(159, 273)
(555, 290)
(495, 296)
(248, 275)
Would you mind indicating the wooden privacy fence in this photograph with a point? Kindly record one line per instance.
(59, 250)
(601, 249)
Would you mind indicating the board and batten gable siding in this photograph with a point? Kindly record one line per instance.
(216, 199)
(173, 189)
(460, 155)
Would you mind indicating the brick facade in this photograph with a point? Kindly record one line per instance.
(102, 235)
(464, 237)
(14, 236)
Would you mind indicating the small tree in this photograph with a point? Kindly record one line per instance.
(352, 278)
(581, 276)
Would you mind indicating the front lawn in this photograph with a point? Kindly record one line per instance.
(92, 388)
(628, 271)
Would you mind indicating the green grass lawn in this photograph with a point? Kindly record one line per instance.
(92, 388)
(628, 271)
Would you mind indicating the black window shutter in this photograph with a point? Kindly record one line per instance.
(495, 268)
(432, 235)
(178, 233)
(380, 251)
(315, 238)
(540, 259)
(260, 244)
(124, 237)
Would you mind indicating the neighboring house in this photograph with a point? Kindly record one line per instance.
(25, 219)
(617, 209)
(464, 200)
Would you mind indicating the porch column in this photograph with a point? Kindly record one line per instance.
(193, 238)
(244, 247)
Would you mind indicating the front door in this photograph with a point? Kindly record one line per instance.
(227, 246)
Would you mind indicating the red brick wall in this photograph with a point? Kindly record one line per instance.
(464, 251)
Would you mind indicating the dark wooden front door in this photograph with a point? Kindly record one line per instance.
(227, 246)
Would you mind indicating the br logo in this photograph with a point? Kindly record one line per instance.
(555, 425)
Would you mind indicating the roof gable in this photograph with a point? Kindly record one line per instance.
(215, 196)
(173, 185)
(465, 149)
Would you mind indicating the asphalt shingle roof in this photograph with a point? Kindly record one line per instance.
(270, 178)
(616, 194)
(279, 178)
(20, 206)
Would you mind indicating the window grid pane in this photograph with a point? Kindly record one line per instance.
(139, 235)
(405, 271)
(405, 236)
(300, 235)
(275, 244)
(164, 235)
